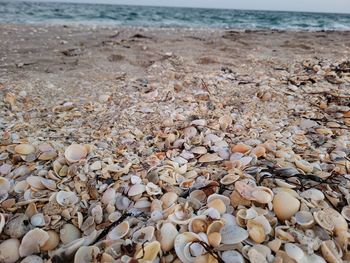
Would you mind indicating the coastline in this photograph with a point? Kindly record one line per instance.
(140, 103)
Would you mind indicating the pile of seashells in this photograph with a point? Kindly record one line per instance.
(215, 189)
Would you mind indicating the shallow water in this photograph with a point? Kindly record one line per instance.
(32, 12)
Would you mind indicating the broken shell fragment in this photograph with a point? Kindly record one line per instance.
(119, 231)
(149, 252)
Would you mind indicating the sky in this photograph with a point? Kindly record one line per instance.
(332, 6)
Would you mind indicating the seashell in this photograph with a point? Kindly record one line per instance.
(95, 166)
(282, 234)
(37, 220)
(32, 259)
(264, 222)
(199, 150)
(324, 220)
(225, 121)
(145, 234)
(275, 245)
(46, 156)
(229, 179)
(199, 122)
(119, 231)
(233, 234)
(255, 256)
(198, 224)
(5, 169)
(331, 252)
(2, 222)
(32, 241)
(169, 199)
(18, 226)
(262, 195)
(299, 139)
(24, 149)
(69, 233)
(346, 212)
(86, 254)
(215, 226)
(9, 250)
(340, 224)
(48, 184)
(240, 148)
(65, 198)
(244, 189)
(113, 217)
(4, 184)
(259, 151)
(210, 157)
(182, 247)
(304, 218)
(136, 189)
(168, 233)
(232, 256)
(256, 231)
(122, 203)
(153, 189)
(109, 196)
(142, 204)
(294, 252)
(304, 165)
(35, 182)
(218, 204)
(214, 239)
(52, 242)
(75, 152)
(190, 132)
(283, 211)
(3, 196)
(148, 253)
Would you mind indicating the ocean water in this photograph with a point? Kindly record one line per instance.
(12, 11)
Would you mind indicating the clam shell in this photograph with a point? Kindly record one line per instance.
(233, 234)
(304, 165)
(24, 149)
(283, 211)
(304, 218)
(143, 235)
(215, 226)
(37, 220)
(4, 184)
(136, 189)
(256, 231)
(169, 199)
(198, 224)
(32, 241)
(313, 194)
(218, 204)
(69, 233)
(232, 256)
(75, 152)
(331, 252)
(210, 157)
(262, 195)
(119, 231)
(294, 252)
(229, 179)
(86, 254)
(214, 239)
(240, 148)
(324, 220)
(32, 259)
(168, 233)
(182, 243)
(9, 250)
(65, 198)
(18, 226)
(52, 242)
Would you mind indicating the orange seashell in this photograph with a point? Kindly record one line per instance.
(240, 148)
(259, 151)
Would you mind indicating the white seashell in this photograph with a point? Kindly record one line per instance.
(35, 182)
(145, 234)
(209, 157)
(97, 165)
(32, 259)
(294, 252)
(69, 233)
(168, 233)
(153, 189)
(65, 198)
(223, 198)
(9, 250)
(181, 244)
(37, 220)
(136, 189)
(134, 179)
(48, 184)
(109, 196)
(113, 217)
(119, 231)
(304, 218)
(169, 199)
(86, 254)
(142, 204)
(199, 150)
(75, 153)
(233, 234)
(24, 149)
(32, 241)
(313, 194)
(122, 203)
(232, 256)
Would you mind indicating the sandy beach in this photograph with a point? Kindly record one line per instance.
(100, 126)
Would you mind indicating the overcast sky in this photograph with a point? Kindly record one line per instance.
(336, 6)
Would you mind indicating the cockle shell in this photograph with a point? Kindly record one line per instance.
(24, 149)
(283, 211)
(119, 231)
(9, 250)
(75, 152)
(32, 241)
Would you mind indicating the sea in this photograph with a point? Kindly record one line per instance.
(18, 12)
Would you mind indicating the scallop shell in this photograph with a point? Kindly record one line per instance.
(24, 149)
(119, 231)
(9, 250)
(32, 241)
(75, 152)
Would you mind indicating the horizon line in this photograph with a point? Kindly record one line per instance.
(190, 7)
